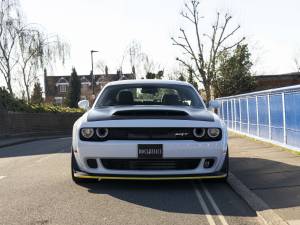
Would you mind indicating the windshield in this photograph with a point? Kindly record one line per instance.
(149, 94)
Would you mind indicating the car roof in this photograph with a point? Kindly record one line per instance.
(148, 81)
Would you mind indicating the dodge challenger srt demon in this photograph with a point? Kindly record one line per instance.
(149, 129)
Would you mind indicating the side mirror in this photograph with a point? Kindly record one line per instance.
(84, 104)
(214, 104)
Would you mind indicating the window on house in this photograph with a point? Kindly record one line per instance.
(63, 88)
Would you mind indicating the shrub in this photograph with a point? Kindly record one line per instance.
(10, 103)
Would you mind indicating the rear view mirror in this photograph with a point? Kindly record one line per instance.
(84, 104)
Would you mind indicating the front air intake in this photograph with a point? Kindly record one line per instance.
(144, 164)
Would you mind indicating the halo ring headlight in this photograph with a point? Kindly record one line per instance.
(199, 132)
(102, 132)
(213, 132)
(87, 132)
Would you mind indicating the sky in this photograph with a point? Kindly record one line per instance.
(271, 28)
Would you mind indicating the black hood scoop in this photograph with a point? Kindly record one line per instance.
(150, 113)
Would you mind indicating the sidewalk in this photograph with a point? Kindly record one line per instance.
(5, 142)
(272, 173)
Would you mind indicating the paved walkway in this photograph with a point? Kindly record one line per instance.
(272, 173)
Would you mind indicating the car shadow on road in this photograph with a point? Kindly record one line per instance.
(173, 196)
(266, 178)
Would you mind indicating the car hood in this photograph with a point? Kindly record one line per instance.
(149, 112)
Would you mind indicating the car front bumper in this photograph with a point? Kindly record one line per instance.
(187, 149)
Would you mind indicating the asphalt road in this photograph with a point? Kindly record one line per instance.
(36, 188)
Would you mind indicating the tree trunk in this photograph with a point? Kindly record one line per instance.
(207, 92)
(26, 85)
(9, 82)
(27, 93)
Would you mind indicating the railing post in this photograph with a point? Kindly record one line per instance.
(232, 113)
(227, 113)
(283, 117)
(257, 119)
(234, 109)
(248, 117)
(240, 114)
(269, 115)
(223, 110)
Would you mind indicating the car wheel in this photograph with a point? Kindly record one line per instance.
(74, 168)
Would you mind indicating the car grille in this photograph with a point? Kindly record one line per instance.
(140, 164)
(150, 133)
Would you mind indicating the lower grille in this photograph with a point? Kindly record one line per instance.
(141, 164)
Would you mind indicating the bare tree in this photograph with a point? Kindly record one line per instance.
(26, 47)
(10, 25)
(133, 53)
(37, 50)
(100, 65)
(204, 58)
(148, 64)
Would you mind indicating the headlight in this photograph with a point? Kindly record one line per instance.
(199, 132)
(87, 132)
(102, 132)
(213, 132)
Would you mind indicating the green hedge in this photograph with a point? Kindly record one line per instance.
(9, 103)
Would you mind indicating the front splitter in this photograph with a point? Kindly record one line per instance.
(150, 177)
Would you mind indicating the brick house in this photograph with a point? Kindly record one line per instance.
(56, 87)
(264, 82)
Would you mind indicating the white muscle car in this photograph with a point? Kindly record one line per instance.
(149, 129)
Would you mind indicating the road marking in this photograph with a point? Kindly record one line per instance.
(203, 205)
(1, 177)
(213, 203)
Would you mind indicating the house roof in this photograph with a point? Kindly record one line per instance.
(88, 78)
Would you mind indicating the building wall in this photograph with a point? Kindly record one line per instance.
(276, 81)
(52, 85)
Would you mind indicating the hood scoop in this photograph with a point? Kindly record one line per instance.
(151, 113)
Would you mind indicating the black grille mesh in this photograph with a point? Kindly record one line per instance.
(141, 164)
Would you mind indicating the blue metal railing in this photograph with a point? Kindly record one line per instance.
(271, 115)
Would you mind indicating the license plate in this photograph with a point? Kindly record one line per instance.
(150, 151)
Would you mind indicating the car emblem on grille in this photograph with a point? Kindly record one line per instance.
(181, 134)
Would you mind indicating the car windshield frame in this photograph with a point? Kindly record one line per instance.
(197, 100)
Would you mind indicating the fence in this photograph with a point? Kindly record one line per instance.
(271, 115)
(13, 124)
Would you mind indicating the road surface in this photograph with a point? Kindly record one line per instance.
(36, 188)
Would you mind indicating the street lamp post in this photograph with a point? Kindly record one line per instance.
(92, 72)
